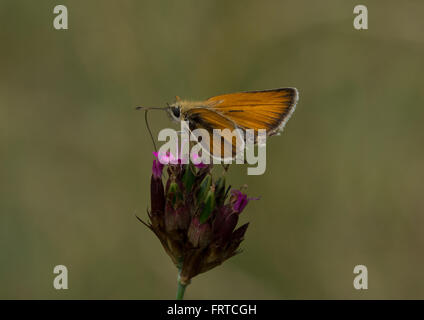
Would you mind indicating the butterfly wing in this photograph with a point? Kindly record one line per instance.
(267, 109)
(219, 128)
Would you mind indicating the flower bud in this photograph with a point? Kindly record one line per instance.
(220, 191)
(157, 201)
(157, 169)
(204, 188)
(225, 222)
(209, 206)
(199, 234)
(173, 193)
(188, 178)
(177, 216)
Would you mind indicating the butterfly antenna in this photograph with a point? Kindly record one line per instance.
(152, 108)
(148, 129)
(146, 109)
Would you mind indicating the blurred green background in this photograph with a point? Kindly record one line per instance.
(343, 185)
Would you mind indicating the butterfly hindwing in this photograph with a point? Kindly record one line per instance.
(219, 128)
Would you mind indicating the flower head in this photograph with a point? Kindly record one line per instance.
(195, 216)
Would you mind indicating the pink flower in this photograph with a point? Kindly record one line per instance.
(166, 158)
(240, 200)
(194, 216)
(197, 162)
(157, 167)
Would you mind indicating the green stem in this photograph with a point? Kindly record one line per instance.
(180, 286)
(180, 290)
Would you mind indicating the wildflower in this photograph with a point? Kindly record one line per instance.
(195, 217)
(240, 200)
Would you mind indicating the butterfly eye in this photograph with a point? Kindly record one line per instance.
(176, 112)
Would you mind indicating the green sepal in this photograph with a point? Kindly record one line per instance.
(173, 193)
(188, 178)
(205, 185)
(208, 206)
(220, 190)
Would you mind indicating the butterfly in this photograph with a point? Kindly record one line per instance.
(238, 112)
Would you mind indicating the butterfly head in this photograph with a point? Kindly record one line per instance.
(175, 109)
(175, 112)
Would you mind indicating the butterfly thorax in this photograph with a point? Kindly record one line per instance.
(186, 105)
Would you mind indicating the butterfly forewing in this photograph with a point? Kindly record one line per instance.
(267, 109)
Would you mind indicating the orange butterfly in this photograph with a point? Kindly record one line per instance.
(238, 112)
